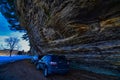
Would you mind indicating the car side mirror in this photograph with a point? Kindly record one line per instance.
(40, 60)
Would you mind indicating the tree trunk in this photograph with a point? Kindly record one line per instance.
(10, 53)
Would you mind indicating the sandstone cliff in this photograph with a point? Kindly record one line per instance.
(70, 26)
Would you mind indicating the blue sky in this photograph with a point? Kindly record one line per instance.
(5, 32)
(4, 29)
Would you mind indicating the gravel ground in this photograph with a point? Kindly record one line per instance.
(24, 70)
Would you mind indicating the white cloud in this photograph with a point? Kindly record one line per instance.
(5, 32)
(2, 38)
(16, 34)
(24, 44)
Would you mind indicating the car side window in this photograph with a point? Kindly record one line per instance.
(43, 58)
(48, 58)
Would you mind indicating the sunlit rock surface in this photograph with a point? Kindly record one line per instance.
(68, 26)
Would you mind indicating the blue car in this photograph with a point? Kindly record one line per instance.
(35, 59)
(53, 64)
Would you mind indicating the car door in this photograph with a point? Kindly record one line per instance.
(42, 62)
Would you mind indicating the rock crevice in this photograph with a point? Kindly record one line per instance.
(61, 24)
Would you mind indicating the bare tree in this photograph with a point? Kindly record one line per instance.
(12, 42)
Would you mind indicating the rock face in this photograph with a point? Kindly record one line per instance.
(70, 26)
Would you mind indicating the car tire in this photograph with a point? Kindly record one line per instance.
(37, 67)
(45, 71)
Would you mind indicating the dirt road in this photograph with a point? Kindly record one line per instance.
(24, 70)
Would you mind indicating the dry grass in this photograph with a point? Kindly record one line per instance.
(2, 54)
(6, 52)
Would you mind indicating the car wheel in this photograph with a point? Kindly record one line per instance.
(37, 66)
(45, 72)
